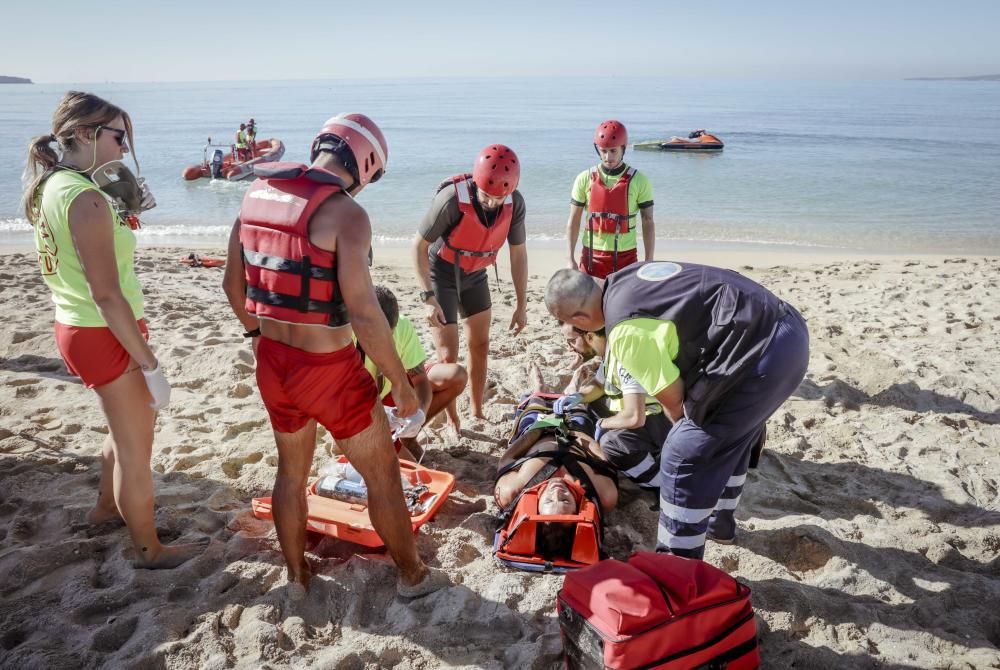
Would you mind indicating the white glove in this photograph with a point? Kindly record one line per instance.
(404, 426)
(145, 195)
(158, 386)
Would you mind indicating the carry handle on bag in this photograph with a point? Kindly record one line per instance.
(657, 611)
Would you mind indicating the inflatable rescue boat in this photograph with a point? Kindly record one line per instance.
(223, 164)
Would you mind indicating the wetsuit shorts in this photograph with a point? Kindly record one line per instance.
(296, 386)
(469, 298)
(94, 354)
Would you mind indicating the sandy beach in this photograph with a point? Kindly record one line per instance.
(869, 535)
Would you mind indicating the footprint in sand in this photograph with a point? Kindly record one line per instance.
(26, 391)
(244, 370)
(14, 638)
(113, 636)
(181, 594)
(799, 551)
(194, 384)
(240, 391)
(21, 529)
(233, 466)
(467, 554)
(187, 463)
(24, 336)
(238, 429)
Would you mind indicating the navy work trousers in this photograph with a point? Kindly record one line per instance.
(703, 467)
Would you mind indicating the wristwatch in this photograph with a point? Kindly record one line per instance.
(424, 295)
(252, 333)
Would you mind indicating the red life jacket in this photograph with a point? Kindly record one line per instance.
(608, 208)
(289, 279)
(471, 241)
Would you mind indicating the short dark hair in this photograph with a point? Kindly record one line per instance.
(554, 540)
(390, 306)
(568, 286)
(339, 148)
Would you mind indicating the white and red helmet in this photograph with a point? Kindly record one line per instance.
(497, 171)
(363, 137)
(610, 134)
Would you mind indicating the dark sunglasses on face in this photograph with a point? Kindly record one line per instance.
(121, 135)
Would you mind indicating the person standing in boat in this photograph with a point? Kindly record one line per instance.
(471, 217)
(613, 194)
(252, 138)
(241, 143)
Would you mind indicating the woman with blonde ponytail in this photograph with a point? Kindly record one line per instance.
(85, 253)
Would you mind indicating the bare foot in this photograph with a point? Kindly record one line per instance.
(426, 582)
(298, 581)
(535, 377)
(172, 556)
(102, 514)
(297, 591)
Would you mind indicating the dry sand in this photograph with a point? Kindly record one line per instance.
(869, 535)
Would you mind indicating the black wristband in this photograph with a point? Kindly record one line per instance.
(252, 333)
(426, 295)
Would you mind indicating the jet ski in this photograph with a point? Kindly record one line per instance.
(697, 140)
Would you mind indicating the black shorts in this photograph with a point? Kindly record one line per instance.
(473, 298)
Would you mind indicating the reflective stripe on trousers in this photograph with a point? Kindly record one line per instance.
(703, 468)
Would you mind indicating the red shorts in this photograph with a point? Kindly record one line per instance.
(604, 261)
(335, 389)
(94, 354)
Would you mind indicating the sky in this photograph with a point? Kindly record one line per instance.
(68, 41)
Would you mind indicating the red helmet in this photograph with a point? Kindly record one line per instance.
(610, 134)
(497, 171)
(364, 139)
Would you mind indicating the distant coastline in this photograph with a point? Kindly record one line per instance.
(14, 80)
(980, 77)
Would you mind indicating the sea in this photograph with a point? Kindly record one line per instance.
(863, 166)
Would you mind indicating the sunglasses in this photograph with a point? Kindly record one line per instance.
(120, 134)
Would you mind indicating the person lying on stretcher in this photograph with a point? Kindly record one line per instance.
(552, 485)
(548, 444)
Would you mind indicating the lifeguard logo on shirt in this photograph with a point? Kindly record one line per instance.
(48, 252)
(658, 271)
